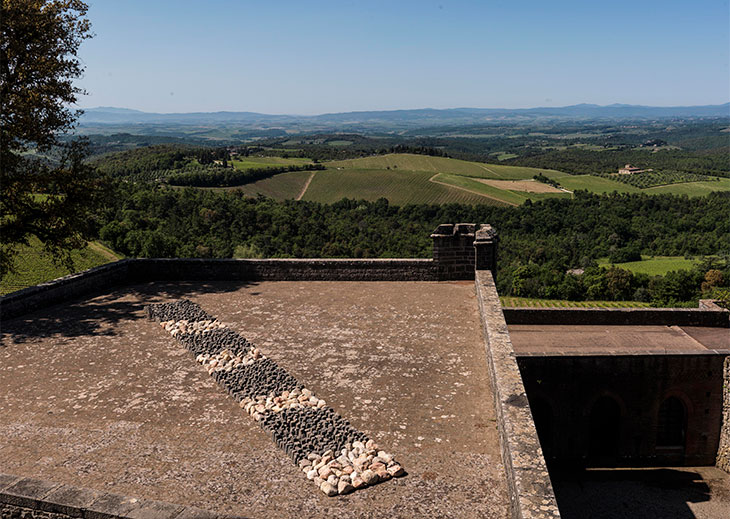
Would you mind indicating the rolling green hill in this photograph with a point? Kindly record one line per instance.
(691, 188)
(406, 161)
(400, 187)
(405, 178)
(595, 184)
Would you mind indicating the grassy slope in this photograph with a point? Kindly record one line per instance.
(33, 267)
(691, 188)
(654, 266)
(399, 187)
(405, 161)
(595, 184)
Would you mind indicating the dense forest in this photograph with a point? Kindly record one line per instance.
(540, 241)
(227, 177)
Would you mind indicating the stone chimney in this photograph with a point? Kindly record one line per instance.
(460, 249)
(485, 249)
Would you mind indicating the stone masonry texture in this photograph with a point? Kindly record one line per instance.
(723, 452)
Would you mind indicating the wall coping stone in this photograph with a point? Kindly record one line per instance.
(636, 353)
(528, 480)
(46, 496)
(619, 316)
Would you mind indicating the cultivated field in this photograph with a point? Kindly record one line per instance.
(474, 185)
(527, 186)
(595, 184)
(284, 186)
(400, 187)
(410, 162)
(33, 267)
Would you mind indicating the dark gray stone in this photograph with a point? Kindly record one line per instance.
(190, 512)
(7, 480)
(68, 500)
(27, 492)
(155, 510)
(111, 506)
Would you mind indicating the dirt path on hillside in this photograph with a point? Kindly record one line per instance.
(469, 191)
(306, 186)
(486, 168)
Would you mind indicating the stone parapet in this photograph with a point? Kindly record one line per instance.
(65, 288)
(531, 492)
(30, 498)
(136, 270)
(286, 269)
(457, 249)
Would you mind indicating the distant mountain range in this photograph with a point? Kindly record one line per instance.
(407, 118)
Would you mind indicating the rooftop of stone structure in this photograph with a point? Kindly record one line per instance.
(559, 339)
(96, 395)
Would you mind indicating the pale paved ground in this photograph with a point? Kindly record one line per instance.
(652, 493)
(95, 395)
(591, 339)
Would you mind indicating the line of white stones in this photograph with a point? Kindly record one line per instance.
(256, 407)
(227, 361)
(185, 326)
(356, 466)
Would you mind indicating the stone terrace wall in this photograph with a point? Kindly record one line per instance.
(723, 451)
(286, 269)
(619, 316)
(30, 498)
(456, 250)
(531, 492)
(65, 288)
(138, 270)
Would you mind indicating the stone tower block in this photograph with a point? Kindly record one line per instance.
(460, 249)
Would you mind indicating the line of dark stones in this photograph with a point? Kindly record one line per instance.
(298, 432)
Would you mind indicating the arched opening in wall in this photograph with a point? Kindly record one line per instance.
(672, 424)
(542, 414)
(605, 431)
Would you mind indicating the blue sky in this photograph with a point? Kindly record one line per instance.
(309, 56)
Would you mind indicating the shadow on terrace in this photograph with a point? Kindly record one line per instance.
(96, 314)
(661, 493)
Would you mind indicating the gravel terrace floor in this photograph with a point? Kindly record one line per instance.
(95, 395)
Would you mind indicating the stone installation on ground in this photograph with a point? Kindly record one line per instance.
(334, 455)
